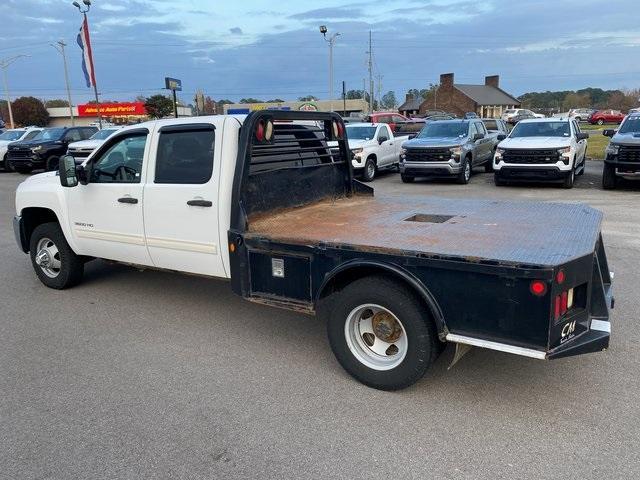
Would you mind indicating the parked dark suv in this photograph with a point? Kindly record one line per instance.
(45, 150)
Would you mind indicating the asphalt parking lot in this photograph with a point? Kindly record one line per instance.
(155, 375)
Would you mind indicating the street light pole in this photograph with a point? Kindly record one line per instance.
(59, 46)
(4, 64)
(331, 41)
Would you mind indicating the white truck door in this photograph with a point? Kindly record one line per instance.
(105, 216)
(386, 147)
(181, 193)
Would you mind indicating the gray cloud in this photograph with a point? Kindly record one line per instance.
(236, 30)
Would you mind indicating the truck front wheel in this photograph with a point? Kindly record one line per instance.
(55, 263)
(369, 172)
(381, 333)
(465, 172)
(406, 178)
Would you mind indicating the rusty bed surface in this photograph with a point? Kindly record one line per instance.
(514, 232)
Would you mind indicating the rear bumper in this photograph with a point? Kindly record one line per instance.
(596, 339)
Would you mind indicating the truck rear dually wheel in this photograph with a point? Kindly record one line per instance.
(381, 333)
(55, 263)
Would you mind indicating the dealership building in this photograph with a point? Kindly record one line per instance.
(122, 113)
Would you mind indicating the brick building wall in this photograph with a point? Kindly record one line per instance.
(450, 99)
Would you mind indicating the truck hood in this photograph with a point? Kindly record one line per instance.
(361, 143)
(85, 144)
(35, 143)
(42, 179)
(536, 142)
(435, 142)
(626, 138)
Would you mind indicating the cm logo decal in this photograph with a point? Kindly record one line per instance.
(568, 329)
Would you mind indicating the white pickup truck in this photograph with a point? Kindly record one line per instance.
(374, 148)
(265, 202)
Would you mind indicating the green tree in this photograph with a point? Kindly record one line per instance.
(29, 111)
(4, 111)
(308, 98)
(158, 106)
(354, 94)
(250, 100)
(56, 102)
(575, 100)
(388, 100)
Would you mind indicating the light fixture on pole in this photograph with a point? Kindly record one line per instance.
(4, 64)
(59, 46)
(331, 41)
(84, 41)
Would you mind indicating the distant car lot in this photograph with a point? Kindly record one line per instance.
(152, 375)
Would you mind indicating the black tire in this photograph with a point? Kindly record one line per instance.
(498, 180)
(465, 172)
(71, 265)
(406, 178)
(52, 164)
(609, 178)
(6, 164)
(369, 171)
(422, 339)
(23, 170)
(570, 179)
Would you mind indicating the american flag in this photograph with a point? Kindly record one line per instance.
(87, 55)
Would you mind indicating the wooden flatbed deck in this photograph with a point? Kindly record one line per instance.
(516, 233)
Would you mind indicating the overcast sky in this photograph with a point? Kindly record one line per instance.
(274, 49)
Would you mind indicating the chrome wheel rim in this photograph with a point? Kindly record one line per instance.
(467, 171)
(376, 337)
(48, 257)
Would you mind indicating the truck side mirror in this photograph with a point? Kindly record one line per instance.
(609, 132)
(67, 171)
(478, 136)
(381, 140)
(582, 136)
(501, 137)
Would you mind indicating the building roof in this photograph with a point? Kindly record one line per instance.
(486, 95)
(412, 104)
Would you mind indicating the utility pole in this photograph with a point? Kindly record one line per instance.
(59, 46)
(344, 99)
(364, 94)
(4, 64)
(331, 41)
(379, 89)
(370, 52)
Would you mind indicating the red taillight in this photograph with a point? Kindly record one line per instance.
(260, 131)
(560, 276)
(556, 312)
(563, 303)
(340, 130)
(538, 288)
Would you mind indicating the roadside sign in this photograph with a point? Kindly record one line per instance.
(173, 84)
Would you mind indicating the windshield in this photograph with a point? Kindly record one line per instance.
(102, 134)
(360, 133)
(11, 135)
(443, 129)
(631, 125)
(50, 134)
(541, 129)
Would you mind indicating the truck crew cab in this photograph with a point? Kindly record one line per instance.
(622, 158)
(264, 201)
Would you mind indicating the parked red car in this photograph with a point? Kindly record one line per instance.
(606, 116)
(390, 118)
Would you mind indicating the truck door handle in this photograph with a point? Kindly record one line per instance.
(127, 200)
(200, 203)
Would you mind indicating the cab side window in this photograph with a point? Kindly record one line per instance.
(480, 128)
(121, 162)
(383, 133)
(185, 156)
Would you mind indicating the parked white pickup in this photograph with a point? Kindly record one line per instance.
(374, 147)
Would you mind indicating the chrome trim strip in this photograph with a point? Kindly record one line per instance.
(501, 347)
(601, 325)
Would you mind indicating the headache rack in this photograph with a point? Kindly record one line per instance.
(306, 159)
